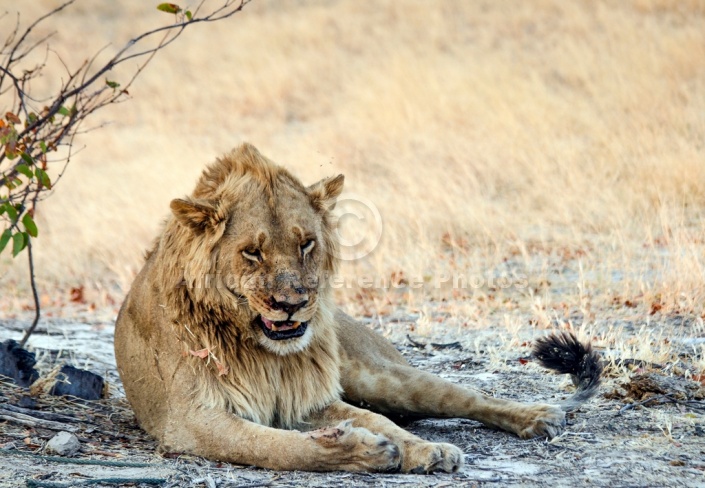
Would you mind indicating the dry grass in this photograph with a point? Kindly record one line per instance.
(544, 136)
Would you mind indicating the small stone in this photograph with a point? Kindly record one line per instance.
(63, 444)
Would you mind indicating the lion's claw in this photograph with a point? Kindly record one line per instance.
(543, 421)
(430, 457)
(357, 449)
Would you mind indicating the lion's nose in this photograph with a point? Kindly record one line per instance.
(288, 306)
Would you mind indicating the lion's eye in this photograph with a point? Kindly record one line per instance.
(307, 246)
(253, 255)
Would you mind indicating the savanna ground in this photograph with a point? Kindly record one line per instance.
(548, 155)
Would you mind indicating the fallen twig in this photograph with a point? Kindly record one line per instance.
(637, 363)
(96, 481)
(34, 422)
(639, 404)
(56, 417)
(435, 345)
(90, 462)
(662, 399)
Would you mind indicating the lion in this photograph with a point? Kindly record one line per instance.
(230, 347)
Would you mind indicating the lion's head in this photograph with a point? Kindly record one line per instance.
(254, 247)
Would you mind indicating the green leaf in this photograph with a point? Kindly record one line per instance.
(11, 212)
(29, 225)
(24, 169)
(4, 239)
(112, 84)
(43, 177)
(189, 15)
(64, 111)
(27, 158)
(19, 242)
(169, 8)
(43, 146)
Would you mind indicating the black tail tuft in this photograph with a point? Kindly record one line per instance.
(564, 353)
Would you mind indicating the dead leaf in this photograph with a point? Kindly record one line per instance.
(12, 118)
(222, 369)
(76, 294)
(203, 353)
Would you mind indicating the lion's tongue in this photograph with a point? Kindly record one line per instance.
(277, 326)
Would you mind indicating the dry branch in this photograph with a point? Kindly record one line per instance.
(34, 422)
(55, 417)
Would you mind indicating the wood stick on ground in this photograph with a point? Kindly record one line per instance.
(34, 422)
(56, 417)
(435, 345)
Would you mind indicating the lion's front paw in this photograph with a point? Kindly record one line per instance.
(356, 449)
(430, 457)
(542, 421)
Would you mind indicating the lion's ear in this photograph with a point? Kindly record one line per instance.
(195, 214)
(324, 193)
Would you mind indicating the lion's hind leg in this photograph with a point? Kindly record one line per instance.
(399, 390)
(392, 387)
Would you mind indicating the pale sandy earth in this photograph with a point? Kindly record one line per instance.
(657, 446)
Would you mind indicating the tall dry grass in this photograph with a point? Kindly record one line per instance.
(483, 131)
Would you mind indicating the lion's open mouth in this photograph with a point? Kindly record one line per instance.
(285, 329)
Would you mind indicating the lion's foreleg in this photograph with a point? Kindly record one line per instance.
(417, 455)
(216, 434)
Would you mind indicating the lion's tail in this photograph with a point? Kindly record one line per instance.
(564, 353)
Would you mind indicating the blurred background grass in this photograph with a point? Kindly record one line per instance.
(549, 135)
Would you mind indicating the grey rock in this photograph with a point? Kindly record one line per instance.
(63, 444)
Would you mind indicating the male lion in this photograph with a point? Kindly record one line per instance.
(230, 347)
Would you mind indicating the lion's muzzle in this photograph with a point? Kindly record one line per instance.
(281, 330)
(289, 304)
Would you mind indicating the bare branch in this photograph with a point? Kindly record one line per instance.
(33, 282)
(11, 56)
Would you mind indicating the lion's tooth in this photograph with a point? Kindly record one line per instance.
(295, 325)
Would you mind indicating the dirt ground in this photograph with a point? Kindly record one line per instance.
(606, 443)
